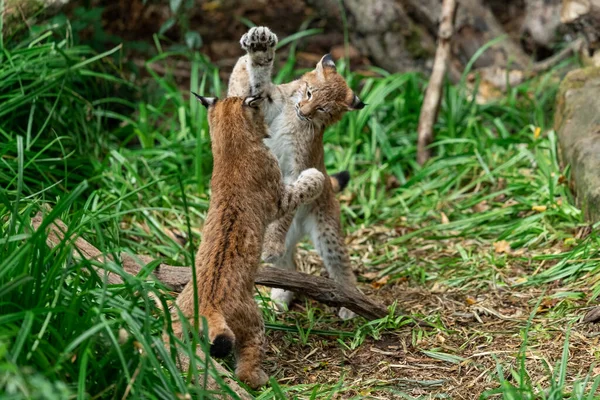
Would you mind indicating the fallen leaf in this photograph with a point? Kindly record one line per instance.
(509, 203)
(537, 132)
(370, 275)
(481, 206)
(502, 247)
(519, 252)
(211, 6)
(438, 288)
(379, 283)
(445, 219)
(539, 208)
(470, 300)
(549, 302)
(391, 182)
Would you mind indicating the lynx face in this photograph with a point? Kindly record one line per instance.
(326, 96)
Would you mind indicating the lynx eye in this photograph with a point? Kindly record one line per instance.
(308, 94)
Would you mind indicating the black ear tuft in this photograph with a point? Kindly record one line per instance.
(254, 101)
(327, 61)
(357, 104)
(206, 101)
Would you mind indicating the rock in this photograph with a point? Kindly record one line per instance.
(577, 123)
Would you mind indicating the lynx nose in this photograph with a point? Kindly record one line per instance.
(300, 113)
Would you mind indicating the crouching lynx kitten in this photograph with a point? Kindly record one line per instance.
(297, 114)
(247, 194)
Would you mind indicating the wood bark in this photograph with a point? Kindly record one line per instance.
(433, 95)
(592, 316)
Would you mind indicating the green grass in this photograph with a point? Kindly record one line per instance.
(127, 167)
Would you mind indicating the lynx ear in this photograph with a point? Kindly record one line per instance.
(206, 101)
(327, 62)
(254, 101)
(357, 104)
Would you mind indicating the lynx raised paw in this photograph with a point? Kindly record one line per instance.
(254, 378)
(311, 182)
(260, 43)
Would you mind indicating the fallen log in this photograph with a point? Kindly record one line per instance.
(175, 278)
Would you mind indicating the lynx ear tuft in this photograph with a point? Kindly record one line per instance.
(206, 101)
(357, 103)
(254, 101)
(327, 62)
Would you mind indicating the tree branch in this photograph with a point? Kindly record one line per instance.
(321, 289)
(433, 95)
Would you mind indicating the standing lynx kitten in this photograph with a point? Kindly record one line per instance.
(247, 193)
(297, 114)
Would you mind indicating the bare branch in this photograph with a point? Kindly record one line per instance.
(433, 95)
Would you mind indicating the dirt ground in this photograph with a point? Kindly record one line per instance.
(454, 340)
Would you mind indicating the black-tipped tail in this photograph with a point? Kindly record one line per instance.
(342, 178)
(221, 346)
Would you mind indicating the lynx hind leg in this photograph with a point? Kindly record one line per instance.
(327, 238)
(305, 190)
(250, 347)
(282, 298)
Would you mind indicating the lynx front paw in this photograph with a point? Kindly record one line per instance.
(273, 251)
(260, 43)
(311, 182)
